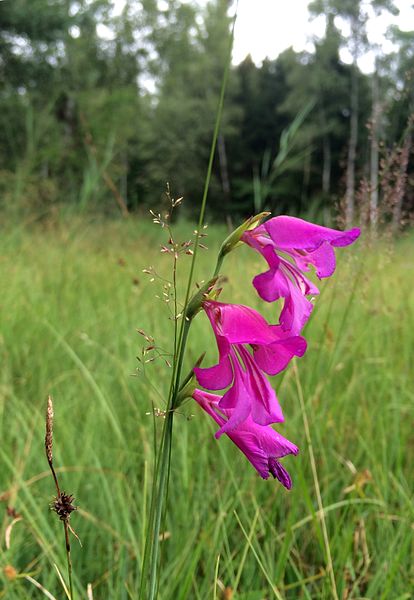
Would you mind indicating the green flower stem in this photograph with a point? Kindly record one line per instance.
(160, 486)
(161, 493)
(220, 260)
(162, 468)
(150, 540)
(186, 331)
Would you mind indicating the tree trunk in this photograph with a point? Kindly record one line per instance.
(353, 140)
(306, 179)
(373, 205)
(225, 182)
(400, 184)
(326, 170)
(124, 177)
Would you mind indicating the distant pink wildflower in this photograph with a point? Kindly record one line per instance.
(250, 394)
(263, 446)
(305, 244)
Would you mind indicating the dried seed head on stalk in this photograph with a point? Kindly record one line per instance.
(62, 503)
(49, 430)
(63, 506)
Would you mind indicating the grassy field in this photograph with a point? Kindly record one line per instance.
(72, 299)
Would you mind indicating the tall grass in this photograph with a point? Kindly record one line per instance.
(72, 299)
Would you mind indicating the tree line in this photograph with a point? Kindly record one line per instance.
(100, 110)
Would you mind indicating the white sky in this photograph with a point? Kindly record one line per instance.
(265, 28)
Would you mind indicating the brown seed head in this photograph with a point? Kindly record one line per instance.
(49, 430)
(63, 507)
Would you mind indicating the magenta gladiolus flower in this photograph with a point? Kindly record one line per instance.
(305, 244)
(237, 328)
(263, 446)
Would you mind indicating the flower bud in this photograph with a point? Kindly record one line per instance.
(194, 305)
(233, 240)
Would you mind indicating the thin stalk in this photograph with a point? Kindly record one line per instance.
(151, 542)
(163, 471)
(163, 463)
(218, 265)
(161, 492)
(150, 539)
(66, 528)
(175, 305)
(180, 360)
(321, 512)
(52, 468)
(68, 557)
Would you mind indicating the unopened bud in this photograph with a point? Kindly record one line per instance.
(194, 305)
(233, 240)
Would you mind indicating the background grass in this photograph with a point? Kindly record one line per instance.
(72, 299)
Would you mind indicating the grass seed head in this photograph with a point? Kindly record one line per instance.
(63, 506)
(49, 430)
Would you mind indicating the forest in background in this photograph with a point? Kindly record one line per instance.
(99, 111)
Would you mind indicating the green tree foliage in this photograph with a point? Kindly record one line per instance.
(356, 14)
(98, 110)
(260, 93)
(191, 50)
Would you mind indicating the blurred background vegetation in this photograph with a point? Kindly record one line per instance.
(98, 110)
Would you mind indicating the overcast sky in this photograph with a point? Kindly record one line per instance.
(265, 28)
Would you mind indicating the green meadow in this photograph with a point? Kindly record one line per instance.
(73, 297)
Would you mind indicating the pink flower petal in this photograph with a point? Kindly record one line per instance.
(274, 358)
(296, 311)
(261, 445)
(271, 285)
(323, 259)
(236, 401)
(219, 376)
(239, 324)
(265, 407)
(291, 232)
